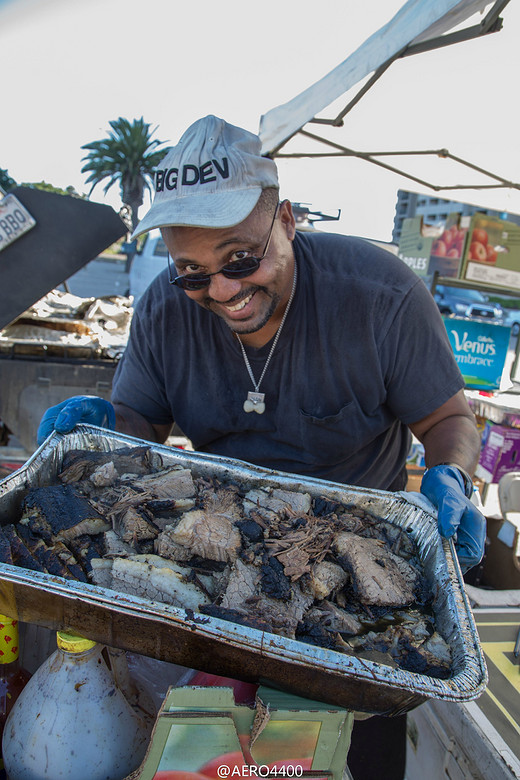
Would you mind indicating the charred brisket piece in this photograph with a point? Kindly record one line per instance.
(251, 530)
(5, 548)
(377, 577)
(80, 464)
(85, 548)
(21, 554)
(273, 581)
(243, 593)
(59, 512)
(334, 619)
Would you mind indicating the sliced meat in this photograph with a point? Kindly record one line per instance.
(86, 548)
(243, 594)
(205, 582)
(104, 475)
(80, 464)
(114, 545)
(222, 501)
(131, 525)
(326, 577)
(166, 510)
(5, 548)
(101, 571)
(376, 577)
(67, 557)
(333, 618)
(59, 512)
(277, 501)
(165, 546)
(174, 482)
(243, 584)
(156, 583)
(211, 536)
(21, 555)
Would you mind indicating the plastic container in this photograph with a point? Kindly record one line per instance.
(71, 721)
(13, 677)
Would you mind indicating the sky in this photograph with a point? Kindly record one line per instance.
(71, 66)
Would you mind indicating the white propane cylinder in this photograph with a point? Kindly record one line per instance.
(72, 721)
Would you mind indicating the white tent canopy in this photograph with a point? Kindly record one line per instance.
(420, 25)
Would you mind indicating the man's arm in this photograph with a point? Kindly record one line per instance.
(134, 424)
(449, 435)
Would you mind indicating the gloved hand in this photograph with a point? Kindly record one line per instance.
(444, 486)
(80, 408)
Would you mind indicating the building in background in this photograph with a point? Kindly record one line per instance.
(435, 210)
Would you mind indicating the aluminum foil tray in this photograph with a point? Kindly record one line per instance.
(228, 649)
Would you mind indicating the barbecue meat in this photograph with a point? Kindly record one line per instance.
(243, 595)
(326, 577)
(333, 618)
(222, 501)
(152, 578)
(5, 548)
(80, 464)
(212, 536)
(170, 483)
(59, 512)
(276, 560)
(269, 503)
(377, 578)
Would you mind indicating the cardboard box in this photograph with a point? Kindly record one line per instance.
(492, 252)
(500, 452)
(200, 729)
(428, 248)
(480, 249)
(480, 349)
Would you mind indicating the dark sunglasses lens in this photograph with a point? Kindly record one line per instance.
(241, 268)
(191, 282)
(237, 270)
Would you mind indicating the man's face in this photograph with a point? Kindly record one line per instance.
(250, 304)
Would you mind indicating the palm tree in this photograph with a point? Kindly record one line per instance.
(127, 156)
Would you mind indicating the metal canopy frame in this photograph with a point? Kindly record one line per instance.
(491, 23)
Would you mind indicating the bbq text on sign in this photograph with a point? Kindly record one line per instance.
(15, 220)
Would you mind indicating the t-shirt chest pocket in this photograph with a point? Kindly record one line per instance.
(332, 438)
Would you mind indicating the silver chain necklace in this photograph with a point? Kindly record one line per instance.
(255, 401)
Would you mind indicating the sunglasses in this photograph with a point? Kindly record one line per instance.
(238, 269)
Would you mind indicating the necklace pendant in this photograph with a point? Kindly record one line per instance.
(255, 403)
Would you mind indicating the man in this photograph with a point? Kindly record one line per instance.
(315, 354)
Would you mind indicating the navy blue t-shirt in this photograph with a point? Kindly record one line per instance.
(363, 353)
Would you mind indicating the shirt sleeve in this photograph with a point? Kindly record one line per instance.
(421, 372)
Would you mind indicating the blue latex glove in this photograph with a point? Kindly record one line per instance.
(444, 486)
(79, 409)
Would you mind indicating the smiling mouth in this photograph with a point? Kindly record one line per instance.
(240, 305)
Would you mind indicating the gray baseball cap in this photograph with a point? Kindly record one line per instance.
(213, 178)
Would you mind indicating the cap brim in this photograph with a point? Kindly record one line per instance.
(207, 211)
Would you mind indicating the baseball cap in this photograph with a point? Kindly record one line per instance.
(213, 178)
